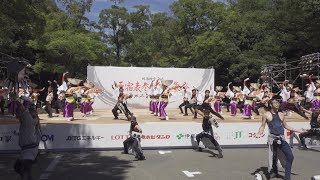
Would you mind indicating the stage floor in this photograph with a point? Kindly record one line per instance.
(143, 116)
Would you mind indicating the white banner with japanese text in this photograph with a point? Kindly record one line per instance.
(165, 134)
(138, 80)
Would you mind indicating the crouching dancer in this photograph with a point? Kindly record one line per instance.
(134, 139)
(29, 138)
(208, 132)
(276, 139)
(315, 127)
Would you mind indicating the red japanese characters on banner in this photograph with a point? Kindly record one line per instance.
(144, 87)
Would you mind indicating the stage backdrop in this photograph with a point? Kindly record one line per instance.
(137, 80)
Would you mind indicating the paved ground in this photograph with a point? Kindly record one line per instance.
(237, 164)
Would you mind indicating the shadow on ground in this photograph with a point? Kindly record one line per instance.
(264, 171)
(93, 166)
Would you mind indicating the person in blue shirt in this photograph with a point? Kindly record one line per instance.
(277, 123)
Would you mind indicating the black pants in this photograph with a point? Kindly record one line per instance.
(227, 105)
(2, 106)
(48, 109)
(183, 104)
(295, 108)
(226, 102)
(197, 107)
(307, 105)
(206, 106)
(240, 106)
(309, 133)
(255, 109)
(23, 168)
(135, 144)
(116, 108)
(57, 104)
(189, 106)
(210, 137)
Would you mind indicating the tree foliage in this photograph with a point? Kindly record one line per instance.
(235, 37)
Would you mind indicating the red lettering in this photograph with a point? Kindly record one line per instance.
(153, 136)
(185, 85)
(129, 86)
(137, 88)
(158, 137)
(145, 86)
(167, 136)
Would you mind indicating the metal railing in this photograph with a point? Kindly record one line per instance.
(294, 71)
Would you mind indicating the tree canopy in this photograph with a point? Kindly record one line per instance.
(235, 37)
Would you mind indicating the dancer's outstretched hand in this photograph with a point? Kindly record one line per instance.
(302, 130)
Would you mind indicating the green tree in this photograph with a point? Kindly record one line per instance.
(114, 25)
(20, 22)
(63, 47)
(77, 9)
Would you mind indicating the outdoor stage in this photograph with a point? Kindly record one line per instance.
(143, 116)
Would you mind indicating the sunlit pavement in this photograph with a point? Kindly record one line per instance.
(159, 164)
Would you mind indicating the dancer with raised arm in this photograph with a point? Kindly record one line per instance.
(122, 105)
(218, 95)
(164, 98)
(156, 98)
(233, 100)
(248, 100)
(276, 139)
(311, 101)
(207, 132)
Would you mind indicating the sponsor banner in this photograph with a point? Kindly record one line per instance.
(166, 134)
(9, 137)
(138, 80)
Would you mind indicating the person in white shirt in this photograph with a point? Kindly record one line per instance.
(218, 95)
(29, 138)
(49, 99)
(186, 98)
(150, 93)
(285, 93)
(192, 103)
(198, 106)
(312, 94)
(156, 98)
